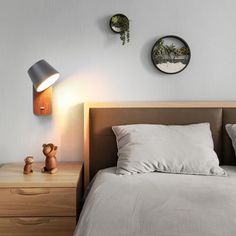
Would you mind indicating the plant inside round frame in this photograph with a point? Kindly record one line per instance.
(171, 54)
(119, 23)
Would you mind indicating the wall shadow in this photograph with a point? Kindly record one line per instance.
(103, 25)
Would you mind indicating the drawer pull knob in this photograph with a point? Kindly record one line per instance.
(31, 191)
(30, 221)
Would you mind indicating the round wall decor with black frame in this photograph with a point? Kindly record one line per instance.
(171, 54)
(119, 23)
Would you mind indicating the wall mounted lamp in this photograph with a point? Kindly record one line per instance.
(43, 76)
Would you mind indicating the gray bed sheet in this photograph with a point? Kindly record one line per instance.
(160, 204)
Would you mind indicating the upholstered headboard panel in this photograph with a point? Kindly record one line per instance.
(100, 147)
(229, 116)
(102, 140)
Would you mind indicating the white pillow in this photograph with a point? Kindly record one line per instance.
(231, 130)
(185, 149)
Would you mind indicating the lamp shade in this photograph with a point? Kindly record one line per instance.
(42, 75)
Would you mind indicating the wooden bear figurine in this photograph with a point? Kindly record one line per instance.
(28, 165)
(49, 150)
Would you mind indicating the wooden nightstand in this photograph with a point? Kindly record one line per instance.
(39, 204)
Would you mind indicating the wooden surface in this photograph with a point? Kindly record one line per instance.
(39, 204)
(180, 104)
(42, 102)
(11, 175)
(37, 226)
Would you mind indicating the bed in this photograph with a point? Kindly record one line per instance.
(156, 203)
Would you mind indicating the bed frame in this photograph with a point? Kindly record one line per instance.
(100, 144)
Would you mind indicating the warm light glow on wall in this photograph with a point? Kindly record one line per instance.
(68, 98)
(79, 89)
(70, 94)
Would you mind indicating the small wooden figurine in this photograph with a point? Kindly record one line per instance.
(50, 150)
(28, 165)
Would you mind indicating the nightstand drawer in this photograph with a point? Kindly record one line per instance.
(45, 226)
(37, 202)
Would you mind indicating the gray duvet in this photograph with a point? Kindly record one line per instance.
(160, 204)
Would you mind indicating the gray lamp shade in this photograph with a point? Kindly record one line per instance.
(42, 75)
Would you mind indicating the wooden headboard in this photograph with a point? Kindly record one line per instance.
(99, 141)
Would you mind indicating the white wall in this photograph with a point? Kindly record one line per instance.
(74, 36)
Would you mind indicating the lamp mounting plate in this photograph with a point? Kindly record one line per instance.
(42, 102)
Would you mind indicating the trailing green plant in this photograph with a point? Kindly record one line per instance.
(122, 23)
(159, 52)
(163, 53)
